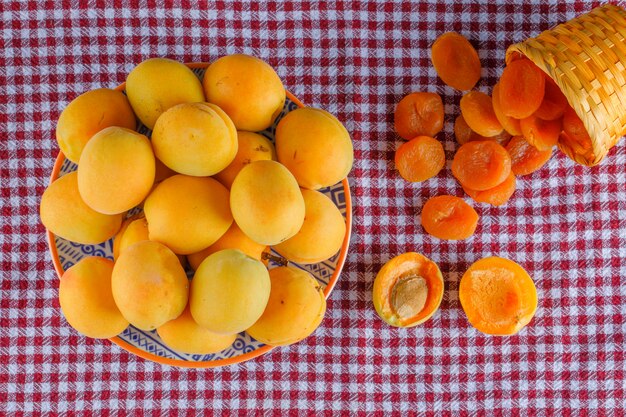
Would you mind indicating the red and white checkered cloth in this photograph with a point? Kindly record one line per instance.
(566, 224)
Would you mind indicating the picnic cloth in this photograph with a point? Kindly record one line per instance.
(565, 224)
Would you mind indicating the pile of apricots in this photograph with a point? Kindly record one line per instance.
(214, 195)
(502, 136)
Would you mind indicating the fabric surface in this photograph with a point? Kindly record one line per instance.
(566, 224)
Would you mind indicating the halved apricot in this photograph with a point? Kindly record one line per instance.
(498, 296)
(456, 61)
(464, 133)
(522, 86)
(525, 158)
(420, 158)
(495, 196)
(542, 134)
(419, 114)
(408, 290)
(510, 124)
(481, 165)
(554, 102)
(449, 217)
(477, 110)
(576, 135)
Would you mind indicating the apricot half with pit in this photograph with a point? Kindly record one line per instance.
(408, 290)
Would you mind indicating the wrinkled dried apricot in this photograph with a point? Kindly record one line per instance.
(477, 110)
(542, 134)
(464, 133)
(576, 135)
(525, 158)
(408, 290)
(554, 102)
(495, 196)
(419, 114)
(456, 61)
(522, 87)
(449, 217)
(420, 159)
(498, 296)
(510, 124)
(481, 165)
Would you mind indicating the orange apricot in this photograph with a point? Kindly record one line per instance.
(525, 158)
(576, 134)
(448, 217)
(420, 159)
(554, 102)
(456, 61)
(477, 110)
(481, 165)
(542, 134)
(495, 196)
(510, 124)
(408, 290)
(522, 87)
(419, 114)
(464, 133)
(498, 296)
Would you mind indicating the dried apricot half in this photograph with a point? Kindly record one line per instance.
(495, 196)
(449, 217)
(542, 134)
(408, 290)
(420, 159)
(525, 158)
(419, 114)
(554, 102)
(481, 165)
(477, 110)
(456, 61)
(498, 296)
(522, 87)
(576, 135)
(510, 124)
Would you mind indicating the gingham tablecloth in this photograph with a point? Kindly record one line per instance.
(566, 224)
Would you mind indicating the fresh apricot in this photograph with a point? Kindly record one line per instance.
(234, 238)
(509, 124)
(87, 301)
(295, 308)
(419, 114)
(134, 229)
(88, 114)
(408, 290)
(449, 217)
(251, 147)
(525, 158)
(554, 102)
(495, 196)
(456, 61)
(477, 110)
(481, 165)
(420, 158)
(542, 134)
(65, 214)
(522, 87)
(498, 296)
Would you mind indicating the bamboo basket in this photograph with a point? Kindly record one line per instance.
(586, 57)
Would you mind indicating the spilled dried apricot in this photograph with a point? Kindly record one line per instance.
(525, 158)
(407, 290)
(498, 296)
(456, 61)
(510, 124)
(481, 165)
(542, 134)
(522, 87)
(420, 159)
(576, 135)
(419, 114)
(477, 110)
(495, 196)
(449, 217)
(554, 102)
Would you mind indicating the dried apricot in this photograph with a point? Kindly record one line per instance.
(419, 114)
(554, 102)
(542, 134)
(481, 165)
(456, 61)
(495, 196)
(525, 158)
(408, 290)
(449, 217)
(498, 296)
(576, 135)
(522, 87)
(510, 124)
(464, 133)
(477, 110)
(420, 159)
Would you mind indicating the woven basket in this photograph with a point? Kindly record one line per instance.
(586, 57)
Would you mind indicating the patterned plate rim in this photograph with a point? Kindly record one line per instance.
(219, 362)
